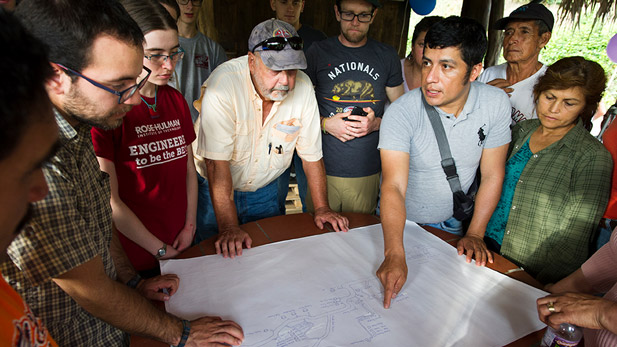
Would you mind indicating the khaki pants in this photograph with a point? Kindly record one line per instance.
(355, 194)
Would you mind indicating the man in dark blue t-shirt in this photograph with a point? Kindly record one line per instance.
(352, 70)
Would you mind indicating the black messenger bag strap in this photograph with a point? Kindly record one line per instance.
(447, 162)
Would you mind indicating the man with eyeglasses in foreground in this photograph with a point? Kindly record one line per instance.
(67, 263)
(255, 111)
(350, 70)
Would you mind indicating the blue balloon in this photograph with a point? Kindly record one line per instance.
(422, 7)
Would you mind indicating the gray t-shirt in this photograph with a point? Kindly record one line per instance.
(345, 77)
(202, 56)
(484, 122)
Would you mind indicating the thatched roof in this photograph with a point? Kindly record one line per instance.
(604, 9)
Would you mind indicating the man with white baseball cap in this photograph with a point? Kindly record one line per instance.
(255, 110)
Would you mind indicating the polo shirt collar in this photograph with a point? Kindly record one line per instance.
(471, 104)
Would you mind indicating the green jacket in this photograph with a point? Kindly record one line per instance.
(559, 199)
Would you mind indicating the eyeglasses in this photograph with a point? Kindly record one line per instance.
(362, 17)
(184, 2)
(278, 44)
(160, 59)
(122, 95)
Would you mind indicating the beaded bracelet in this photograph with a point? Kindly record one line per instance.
(186, 329)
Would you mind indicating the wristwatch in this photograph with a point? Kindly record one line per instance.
(161, 252)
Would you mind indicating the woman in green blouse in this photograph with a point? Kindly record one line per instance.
(558, 176)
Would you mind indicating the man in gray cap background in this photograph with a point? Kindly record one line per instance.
(255, 110)
(526, 31)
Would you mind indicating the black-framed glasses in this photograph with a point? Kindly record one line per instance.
(122, 95)
(362, 17)
(160, 59)
(278, 44)
(184, 2)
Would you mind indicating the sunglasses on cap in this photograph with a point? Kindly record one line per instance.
(278, 44)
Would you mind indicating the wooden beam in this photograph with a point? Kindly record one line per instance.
(229, 22)
(479, 10)
(495, 37)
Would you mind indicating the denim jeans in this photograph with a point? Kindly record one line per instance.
(603, 234)
(283, 183)
(250, 206)
(451, 225)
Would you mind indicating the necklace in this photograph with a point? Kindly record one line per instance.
(152, 108)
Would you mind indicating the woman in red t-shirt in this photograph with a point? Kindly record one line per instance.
(149, 158)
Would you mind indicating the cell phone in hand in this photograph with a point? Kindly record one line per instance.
(356, 111)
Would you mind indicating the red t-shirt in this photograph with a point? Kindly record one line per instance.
(610, 142)
(149, 152)
(18, 325)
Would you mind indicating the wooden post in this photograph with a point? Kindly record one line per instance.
(229, 22)
(495, 37)
(479, 10)
(206, 19)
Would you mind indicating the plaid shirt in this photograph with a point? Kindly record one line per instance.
(559, 199)
(69, 227)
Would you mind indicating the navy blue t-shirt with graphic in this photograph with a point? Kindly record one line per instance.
(345, 77)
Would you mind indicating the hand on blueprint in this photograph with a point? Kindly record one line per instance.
(213, 331)
(359, 126)
(392, 273)
(152, 288)
(325, 215)
(474, 245)
(503, 84)
(583, 310)
(230, 241)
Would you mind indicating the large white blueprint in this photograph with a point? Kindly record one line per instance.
(322, 291)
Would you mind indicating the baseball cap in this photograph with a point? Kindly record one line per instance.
(528, 12)
(286, 59)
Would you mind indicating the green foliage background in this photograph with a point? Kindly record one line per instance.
(588, 41)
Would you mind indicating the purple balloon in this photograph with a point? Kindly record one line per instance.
(422, 7)
(611, 48)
